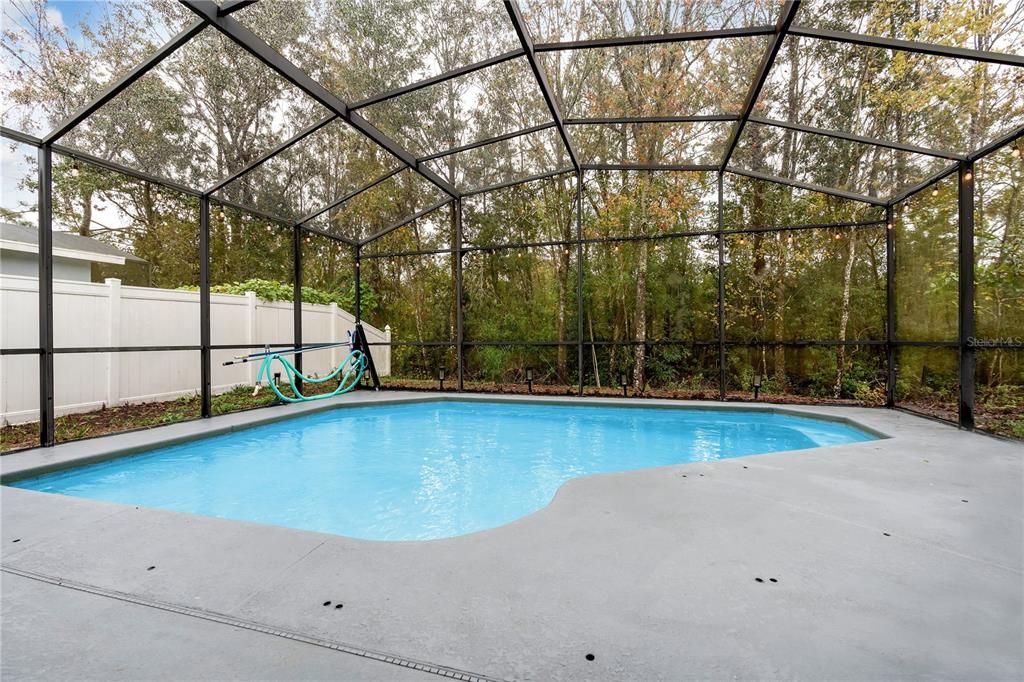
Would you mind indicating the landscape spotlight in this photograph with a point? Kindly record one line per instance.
(440, 378)
(529, 379)
(757, 385)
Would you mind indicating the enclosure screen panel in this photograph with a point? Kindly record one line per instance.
(999, 246)
(325, 166)
(414, 295)
(377, 210)
(805, 285)
(200, 115)
(506, 161)
(927, 278)
(807, 374)
(35, 38)
(751, 203)
(928, 380)
(699, 143)
(126, 262)
(520, 294)
(99, 393)
(493, 101)
(666, 370)
(251, 279)
(642, 203)
(665, 289)
(868, 170)
(999, 387)
(920, 21)
(590, 19)
(19, 259)
(368, 47)
(956, 105)
(667, 79)
(541, 211)
(509, 369)
(433, 232)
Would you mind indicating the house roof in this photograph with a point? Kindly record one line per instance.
(65, 244)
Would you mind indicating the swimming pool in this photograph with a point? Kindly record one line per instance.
(427, 470)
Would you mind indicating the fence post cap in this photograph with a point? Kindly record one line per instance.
(112, 280)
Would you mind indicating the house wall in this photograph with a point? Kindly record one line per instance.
(112, 315)
(21, 264)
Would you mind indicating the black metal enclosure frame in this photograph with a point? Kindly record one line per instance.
(210, 14)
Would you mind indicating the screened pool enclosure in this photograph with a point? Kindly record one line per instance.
(817, 201)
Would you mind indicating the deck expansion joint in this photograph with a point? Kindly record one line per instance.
(263, 628)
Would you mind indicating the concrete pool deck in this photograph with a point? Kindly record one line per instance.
(895, 558)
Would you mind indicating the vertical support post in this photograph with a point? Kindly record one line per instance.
(358, 298)
(579, 278)
(46, 416)
(205, 366)
(297, 296)
(890, 306)
(458, 255)
(721, 286)
(965, 215)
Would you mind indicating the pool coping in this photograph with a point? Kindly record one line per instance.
(37, 461)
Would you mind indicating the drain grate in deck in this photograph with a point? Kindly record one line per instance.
(382, 657)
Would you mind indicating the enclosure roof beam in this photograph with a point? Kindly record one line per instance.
(71, 153)
(774, 45)
(25, 138)
(1009, 138)
(811, 187)
(519, 181)
(657, 38)
(839, 135)
(298, 137)
(229, 6)
(124, 170)
(325, 233)
(618, 120)
(125, 81)
(515, 15)
(440, 78)
(259, 48)
(488, 140)
(695, 167)
(924, 184)
(349, 195)
(18, 136)
(402, 223)
(908, 46)
(284, 222)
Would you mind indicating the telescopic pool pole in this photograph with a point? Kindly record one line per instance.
(239, 359)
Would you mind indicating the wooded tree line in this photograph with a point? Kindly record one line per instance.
(212, 108)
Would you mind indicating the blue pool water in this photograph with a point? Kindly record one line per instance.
(427, 470)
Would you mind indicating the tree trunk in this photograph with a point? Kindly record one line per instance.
(563, 283)
(779, 313)
(844, 316)
(85, 224)
(640, 353)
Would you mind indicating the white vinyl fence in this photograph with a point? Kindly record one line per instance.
(112, 315)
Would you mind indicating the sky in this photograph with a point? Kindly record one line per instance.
(13, 164)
